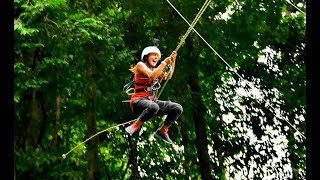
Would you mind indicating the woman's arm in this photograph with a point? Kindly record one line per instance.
(142, 68)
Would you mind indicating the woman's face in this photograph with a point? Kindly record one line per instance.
(153, 59)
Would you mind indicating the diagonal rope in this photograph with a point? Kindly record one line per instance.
(296, 7)
(230, 66)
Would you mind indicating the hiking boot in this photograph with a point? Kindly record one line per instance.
(134, 127)
(164, 136)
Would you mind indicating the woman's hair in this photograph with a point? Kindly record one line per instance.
(133, 69)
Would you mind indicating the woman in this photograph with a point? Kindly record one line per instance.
(144, 101)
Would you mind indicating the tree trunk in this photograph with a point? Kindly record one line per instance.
(57, 122)
(184, 133)
(90, 7)
(133, 24)
(91, 100)
(92, 129)
(133, 160)
(91, 97)
(199, 111)
(34, 116)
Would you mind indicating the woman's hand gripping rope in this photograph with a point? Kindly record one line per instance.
(171, 61)
(171, 66)
(173, 57)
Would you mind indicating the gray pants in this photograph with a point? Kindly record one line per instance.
(148, 109)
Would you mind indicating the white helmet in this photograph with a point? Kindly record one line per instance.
(150, 49)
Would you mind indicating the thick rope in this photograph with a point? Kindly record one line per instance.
(231, 67)
(65, 155)
(196, 19)
(182, 41)
(184, 37)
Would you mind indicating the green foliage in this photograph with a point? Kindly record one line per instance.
(18, 26)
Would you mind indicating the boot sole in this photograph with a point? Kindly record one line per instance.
(158, 136)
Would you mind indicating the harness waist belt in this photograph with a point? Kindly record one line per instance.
(147, 89)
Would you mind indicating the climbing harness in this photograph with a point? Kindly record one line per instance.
(128, 89)
(152, 88)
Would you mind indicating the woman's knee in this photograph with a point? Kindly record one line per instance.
(177, 108)
(154, 107)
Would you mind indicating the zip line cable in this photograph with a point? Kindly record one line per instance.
(295, 7)
(205, 5)
(228, 64)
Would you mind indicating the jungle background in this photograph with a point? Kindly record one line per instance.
(72, 59)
